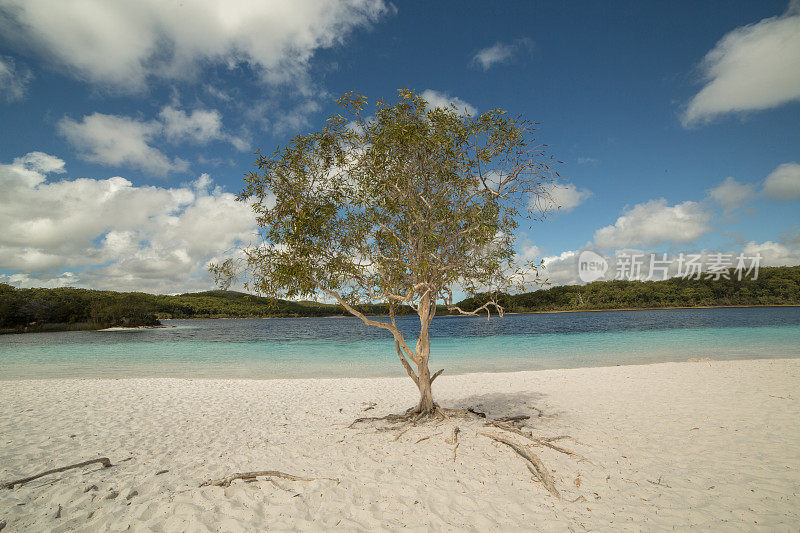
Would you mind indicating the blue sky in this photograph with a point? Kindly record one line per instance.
(127, 126)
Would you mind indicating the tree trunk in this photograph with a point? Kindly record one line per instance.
(423, 350)
(425, 404)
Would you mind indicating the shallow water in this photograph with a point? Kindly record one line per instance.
(338, 347)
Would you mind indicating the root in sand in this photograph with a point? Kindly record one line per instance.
(226, 481)
(453, 440)
(534, 464)
(511, 424)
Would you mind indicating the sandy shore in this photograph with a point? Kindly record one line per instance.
(710, 445)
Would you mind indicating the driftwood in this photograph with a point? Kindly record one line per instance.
(226, 481)
(534, 464)
(11, 484)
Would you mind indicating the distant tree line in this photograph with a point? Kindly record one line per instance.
(774, 286)
(71, 308)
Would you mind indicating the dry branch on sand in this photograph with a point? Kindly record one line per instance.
(226, 481)
(11, 484)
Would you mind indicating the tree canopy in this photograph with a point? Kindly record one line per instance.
(401, 203)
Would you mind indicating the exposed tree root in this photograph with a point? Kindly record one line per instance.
(453, 440)
(226, 481)
(560, 437)
(540, 441)
(512, 424)
(534, 464)
(406, 427)
(11, 484)
(412, 417)
(513, 420)
(393, 417)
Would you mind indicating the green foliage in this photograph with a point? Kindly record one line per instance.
(396, 207)
(70, 308)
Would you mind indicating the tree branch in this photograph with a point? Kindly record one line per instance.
(484, 307)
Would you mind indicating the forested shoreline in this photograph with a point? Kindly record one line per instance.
(68, 308)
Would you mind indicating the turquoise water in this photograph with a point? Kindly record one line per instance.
(336, 347)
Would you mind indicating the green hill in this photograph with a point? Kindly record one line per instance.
(774, 286)
(71, 308)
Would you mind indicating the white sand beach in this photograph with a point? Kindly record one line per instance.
(707, 445)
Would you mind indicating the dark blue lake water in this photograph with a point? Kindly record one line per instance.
(334, 347)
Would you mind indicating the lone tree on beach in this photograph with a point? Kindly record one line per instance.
(399, 203)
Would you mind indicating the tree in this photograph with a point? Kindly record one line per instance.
(402, 206)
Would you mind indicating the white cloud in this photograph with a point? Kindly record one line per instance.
(588, 161)
(773, 253)
(563, 197)
(753, 67)
(440, 99)
(654, 223)
(40, 162)
(629, 263)
(116, 141)
(287, 117)
(500, 53)
(561, 269)
(107, 233)
(201, 126)
(13, 81)
(731, 195)
(783, 183)
(121, 44)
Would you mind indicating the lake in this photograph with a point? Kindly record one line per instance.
(344, 347)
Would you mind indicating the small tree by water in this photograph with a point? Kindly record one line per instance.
(403, 204)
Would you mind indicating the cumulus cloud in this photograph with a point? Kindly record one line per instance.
(119, 140)
(13, 80)
(653, 223)
(500, 53)
(644, 264)
(201, 126)
(783, 183)
(122, 44)
(563, 197)
(115, 141)
(774, 253)
(563, 268)
(440, 99)
(751, 68)
(731, 195)
(107, 233)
